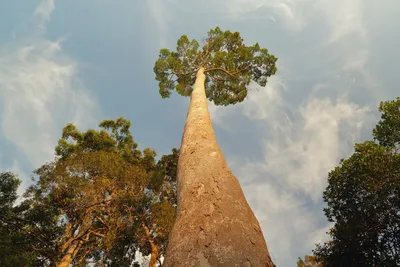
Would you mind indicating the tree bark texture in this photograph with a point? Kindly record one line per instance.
(215, 226)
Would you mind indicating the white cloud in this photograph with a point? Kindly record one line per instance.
(306, 150)
(43, 12)
(40, 92)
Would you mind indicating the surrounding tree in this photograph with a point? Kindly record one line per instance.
(215, 225)
(102, 191)
(13, 241)
(363, 200)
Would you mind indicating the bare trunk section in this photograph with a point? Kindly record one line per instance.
(215, 225)
(154, 248)
(154, 255)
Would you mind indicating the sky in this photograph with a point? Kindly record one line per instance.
(86, 61)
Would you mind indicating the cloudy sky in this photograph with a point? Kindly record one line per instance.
(85, 61)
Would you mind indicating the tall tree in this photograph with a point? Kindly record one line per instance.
(215, 225)
(363, 200)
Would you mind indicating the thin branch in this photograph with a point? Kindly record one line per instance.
(203, 61)
(232, 74)
(215, 80)
(186, 73)
(97, 234)
(101, 220)
(101, 203)
(212, 78)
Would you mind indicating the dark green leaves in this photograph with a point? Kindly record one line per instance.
(8, 190)
(363, 201)
(387, 132)
(230, 66)
(23, 228)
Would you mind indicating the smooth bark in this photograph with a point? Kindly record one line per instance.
(215, 225)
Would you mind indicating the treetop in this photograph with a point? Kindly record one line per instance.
(230, 66)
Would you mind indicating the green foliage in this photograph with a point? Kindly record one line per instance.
(98, 195)
(163, 180)
(230, 66)
(8, 191)
(387, 132)
(16, 236)
(363, 201)
(161, 210)
(114, 137)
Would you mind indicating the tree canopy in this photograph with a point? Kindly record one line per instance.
(230, 65)
(363, 200)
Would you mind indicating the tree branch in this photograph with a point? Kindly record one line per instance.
(97, 234)
(186, 73)
(101, 220)
(232, 74)
(101, 203)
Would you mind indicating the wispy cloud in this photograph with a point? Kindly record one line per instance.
(344, 17)
(43, 12)
(289, 12)
(159, 12)
(40, 91)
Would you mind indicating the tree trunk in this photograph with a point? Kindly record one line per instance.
(154, 248)
(154, 255)
(215, 226)
(69, 255)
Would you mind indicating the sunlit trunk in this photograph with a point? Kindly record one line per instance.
(70, 254)
(154, 255)
(215, 225)
(154, 248)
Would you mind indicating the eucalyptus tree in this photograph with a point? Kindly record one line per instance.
(215, 226)
(103, 192)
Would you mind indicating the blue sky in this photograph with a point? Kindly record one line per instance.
(85, 61)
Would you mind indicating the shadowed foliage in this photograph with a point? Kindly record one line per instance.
(363, 200)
